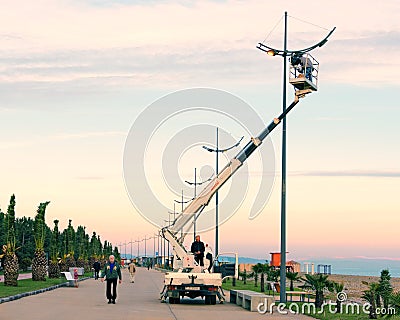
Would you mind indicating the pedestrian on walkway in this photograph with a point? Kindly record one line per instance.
(76, 277)
(96, 267)
(132, 271)
(111, 272)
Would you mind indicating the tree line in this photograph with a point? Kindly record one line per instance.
(28, 242)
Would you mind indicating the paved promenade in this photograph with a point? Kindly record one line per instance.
(139, 300)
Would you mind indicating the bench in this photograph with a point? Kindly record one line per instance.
(81, 271)
(233, 295)
(302, 295)
(240, 296)
(69, 278)
(277, 288)
(250, 300)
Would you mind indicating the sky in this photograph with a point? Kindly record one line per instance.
(75, 75)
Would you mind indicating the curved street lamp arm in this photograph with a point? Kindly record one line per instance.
(266, 48)
(200, 183)
(224, 150)
(187, 201)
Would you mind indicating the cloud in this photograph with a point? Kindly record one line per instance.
(378, 258)
(149, 43)
(4, 145)
(354, 173)
(135, 66)
(83, 135)
(90, 178)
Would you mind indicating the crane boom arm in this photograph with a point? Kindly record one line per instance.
(202, 200)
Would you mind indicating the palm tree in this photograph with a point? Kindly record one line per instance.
(39, 262)
(70, 244)
(54, 268)
(80, 246)
(245, 276)
(264, 269)
(273, 275)
(394, 301)
(11, 266)
(256, 271)
(370, 296)
(319, 283)
(338, 288)
(292, 276)
(385, 288)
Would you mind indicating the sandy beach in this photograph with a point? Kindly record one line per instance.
(354, 287)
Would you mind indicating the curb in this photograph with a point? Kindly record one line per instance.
(32, 293)
(162, 270)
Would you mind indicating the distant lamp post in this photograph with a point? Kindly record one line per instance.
(138, 253)
(169, 223)
(145, 245)
(195, 184)
(286, 53)
(217, 151)
(174, 212)
(182, 202)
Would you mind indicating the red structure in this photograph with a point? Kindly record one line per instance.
(275, 259)
(276, 262)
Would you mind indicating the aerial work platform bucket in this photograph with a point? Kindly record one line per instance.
(304, 72)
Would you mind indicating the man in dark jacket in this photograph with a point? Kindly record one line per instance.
(198, 251)
(112, 271)
(96, 267)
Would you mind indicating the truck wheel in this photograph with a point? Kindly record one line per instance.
(172, 300)
(213, 299)
(207, 300)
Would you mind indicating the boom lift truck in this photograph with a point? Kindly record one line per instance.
(188, 278)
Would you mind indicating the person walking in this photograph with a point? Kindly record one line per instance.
(96, 267)
(76, 278)
(111, 272)
(132, 271)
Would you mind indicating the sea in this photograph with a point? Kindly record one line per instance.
(345, 266)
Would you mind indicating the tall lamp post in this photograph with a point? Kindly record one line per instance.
(217, 151)
(284, 54)
(195, 184)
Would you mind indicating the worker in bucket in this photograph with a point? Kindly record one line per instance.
(198, 251)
